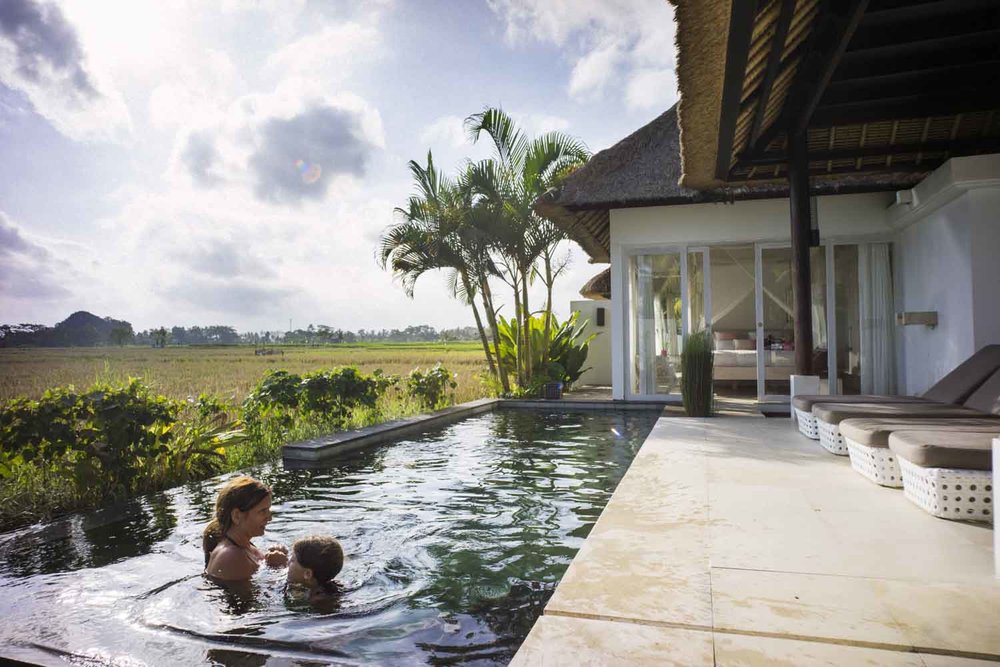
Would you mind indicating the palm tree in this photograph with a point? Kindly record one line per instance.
(429, 237)
(520, 171)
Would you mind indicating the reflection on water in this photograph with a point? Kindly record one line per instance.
(454, 541)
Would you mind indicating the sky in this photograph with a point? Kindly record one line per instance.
(196, 162)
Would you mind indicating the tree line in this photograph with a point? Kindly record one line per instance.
(83, 329)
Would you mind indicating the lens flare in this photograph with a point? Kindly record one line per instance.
(310, 172)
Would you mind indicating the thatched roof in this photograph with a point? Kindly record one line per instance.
(598, 287)
(876, 86)
(644, 168)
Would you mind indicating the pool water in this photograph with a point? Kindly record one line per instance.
(454, 542)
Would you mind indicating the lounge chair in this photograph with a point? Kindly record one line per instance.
(867, 442)
(953, 388)
(983, 402)
(947, 474)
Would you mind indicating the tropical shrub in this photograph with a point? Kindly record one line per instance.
(567, 350)
(430, 389)
(282, 399)
(697, 368)
(106, 435)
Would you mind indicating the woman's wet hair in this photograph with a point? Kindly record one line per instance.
(321, 554)
(242, 493)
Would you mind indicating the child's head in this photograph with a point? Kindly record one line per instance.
(315, 561)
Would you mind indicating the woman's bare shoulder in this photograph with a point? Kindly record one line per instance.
(230, 563)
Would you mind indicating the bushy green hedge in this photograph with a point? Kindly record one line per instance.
(69, 450)
(431, 388)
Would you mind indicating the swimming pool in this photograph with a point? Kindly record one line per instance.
(454, 542)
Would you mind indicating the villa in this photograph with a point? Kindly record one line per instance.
(823, 199)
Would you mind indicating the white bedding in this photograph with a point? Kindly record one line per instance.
(749, 357)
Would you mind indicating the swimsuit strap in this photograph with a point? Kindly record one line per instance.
(246, 550)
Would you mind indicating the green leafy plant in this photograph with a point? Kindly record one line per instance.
(697, 368)
(568, 348)
(106, 435)
(430, 388)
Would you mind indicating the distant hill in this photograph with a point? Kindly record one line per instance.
(81, 329)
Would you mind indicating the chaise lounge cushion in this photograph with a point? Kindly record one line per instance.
(955, 387)
(940, 449)
(834, 413)
(958, 385)
(987, 397)
(876, 432)
(806, 402)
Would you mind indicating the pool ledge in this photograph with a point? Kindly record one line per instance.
(306, 452)
(329, 446)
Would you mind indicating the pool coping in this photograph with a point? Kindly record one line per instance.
(327, 447)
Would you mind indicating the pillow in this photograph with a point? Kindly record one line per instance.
(744, 344)
(725, 344)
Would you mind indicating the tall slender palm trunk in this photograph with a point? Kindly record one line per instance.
(525, 328)
(479, 322)
(491, 319)
(548, 312)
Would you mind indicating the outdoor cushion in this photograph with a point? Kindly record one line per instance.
(958, 385)
(940, 449)
(834, 413)
(955, 387)
(876, 432)
(807, 401)
(987, 397)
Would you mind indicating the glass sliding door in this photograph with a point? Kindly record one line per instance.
(776, 319)
(732, 317)
(657, 305)
(847, 314)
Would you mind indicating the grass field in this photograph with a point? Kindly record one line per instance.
(227, 372)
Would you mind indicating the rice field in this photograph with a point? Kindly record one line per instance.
(227, 372)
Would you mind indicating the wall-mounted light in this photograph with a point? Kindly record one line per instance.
(600, 317)
(927, 318)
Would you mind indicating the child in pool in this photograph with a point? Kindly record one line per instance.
(313, 563)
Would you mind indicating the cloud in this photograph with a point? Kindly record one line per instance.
(613, 44)
(299, 156)
(200, 158)
(28, 270)
(652, 89)
(225, 297)
(44, 44)
(332, 51)
(592, 72)
(225, 258)
(448, 130)
(42, 56)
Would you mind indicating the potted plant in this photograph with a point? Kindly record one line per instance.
(555, 376)
(697, 368)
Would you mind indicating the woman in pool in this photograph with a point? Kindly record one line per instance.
(242, 511)
(314, 562)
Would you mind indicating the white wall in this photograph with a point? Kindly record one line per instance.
(599, 355)
(841, 217)
(948, 260)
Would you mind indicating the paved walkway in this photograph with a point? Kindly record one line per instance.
(736, 541)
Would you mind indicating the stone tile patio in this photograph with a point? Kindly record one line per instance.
(737, 541)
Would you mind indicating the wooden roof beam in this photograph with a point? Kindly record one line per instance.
(773, 65)
(741, 21)
(904, 83)
(985, 145)
(944, 103)
(839, 26)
